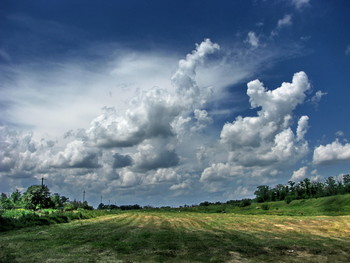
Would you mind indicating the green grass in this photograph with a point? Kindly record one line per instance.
(19, 218)
(332, 206)
(313, 230)
(183, 237)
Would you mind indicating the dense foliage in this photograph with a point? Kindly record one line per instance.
(36, 206)
(122, 207)
(304, 189)
(39, 197)
(18, 218)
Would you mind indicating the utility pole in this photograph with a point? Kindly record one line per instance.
(42, 182)
(84, 196)
(101, 199)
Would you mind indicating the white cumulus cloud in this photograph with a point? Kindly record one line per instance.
(332, 153)
(266, 142)
(76, 155)
(274, 116)
(299, 175)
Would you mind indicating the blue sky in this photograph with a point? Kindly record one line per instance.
(172, 102)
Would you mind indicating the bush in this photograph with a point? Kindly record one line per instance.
(245, 202)
(12, 219)
(265, 207)
(288, 199)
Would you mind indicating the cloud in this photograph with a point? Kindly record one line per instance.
(317, 97)
(18, 155)
(202, 120)
(4, 55)
(285, 21)
(339, 133)
(68, 94)
(299, 175)
(219, 171)
(155, 110)
(121, 161)
(274, 116)
(76, 155)
(347, 50)
(300, 3)
(151, 118)
(180, 186)
(151, 138)
(302, 127)
(128, 178)
(331, 153)
(163, 175)
(252, 39)
(265, 143)
(151, 156)
(184, 78)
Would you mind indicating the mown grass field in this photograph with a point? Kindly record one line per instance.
(146, 236)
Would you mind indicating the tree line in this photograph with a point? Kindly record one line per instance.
(102, 206)
(39, 197)
(304, 189)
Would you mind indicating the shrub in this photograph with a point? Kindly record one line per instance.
(245, 202)
(288, 199)
(265, 207)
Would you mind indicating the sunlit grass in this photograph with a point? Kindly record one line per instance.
(183, 237)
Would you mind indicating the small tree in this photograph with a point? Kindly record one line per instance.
(262, 193)
(16, 198)
(5, 202)
(59, 201)
(331, 186)
(37, 197)
(288, 199)
(346, 182)
(78, 204)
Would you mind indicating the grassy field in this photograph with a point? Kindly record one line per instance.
(146, 236)
(332, 206)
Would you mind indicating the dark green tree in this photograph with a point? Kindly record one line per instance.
(316, 189)
(330, 186)
(78, 204)
(281, 191)
(37, 197)
(59, 201)
(307, 183)
(5, 202)
(16, 198)
(262, 193)
(346, 183)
